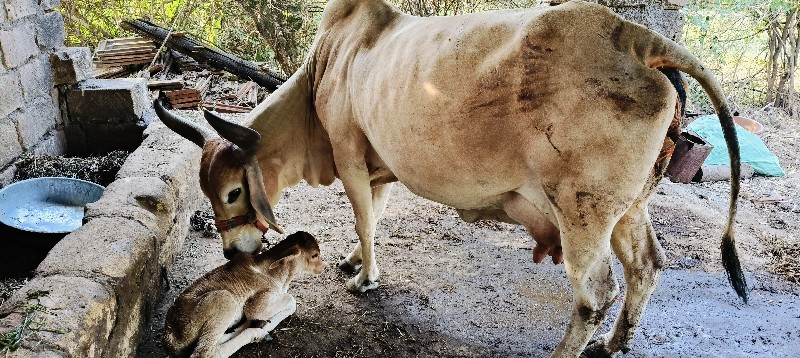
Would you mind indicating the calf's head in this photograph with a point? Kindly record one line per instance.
(231, 179)
(299, 249)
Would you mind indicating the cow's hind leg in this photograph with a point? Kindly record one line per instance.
(635, 244)
(587, 258)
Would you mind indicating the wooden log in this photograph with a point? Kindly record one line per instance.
(217, 59)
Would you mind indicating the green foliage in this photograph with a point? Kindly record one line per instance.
(218, 22)
(732, 38)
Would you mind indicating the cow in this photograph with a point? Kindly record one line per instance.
(554, 118)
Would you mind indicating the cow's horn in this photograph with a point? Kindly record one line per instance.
(191, 131)
(243, 137)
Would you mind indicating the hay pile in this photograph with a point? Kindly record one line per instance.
(97, 169)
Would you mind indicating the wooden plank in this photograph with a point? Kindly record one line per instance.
(224, 108)
(126, 52)
(165, 85)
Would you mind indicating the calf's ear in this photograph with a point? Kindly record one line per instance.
(258, 195)
(295, 253)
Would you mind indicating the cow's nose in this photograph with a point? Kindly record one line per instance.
(229, 253)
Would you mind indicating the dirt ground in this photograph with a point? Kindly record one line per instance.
(454, 289)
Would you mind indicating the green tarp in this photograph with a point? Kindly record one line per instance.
(753, 151)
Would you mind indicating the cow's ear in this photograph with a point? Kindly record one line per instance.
(258, 195)
(243, 137)
(295, 253)
(191, 131)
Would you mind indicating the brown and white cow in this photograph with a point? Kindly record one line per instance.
(552, 118)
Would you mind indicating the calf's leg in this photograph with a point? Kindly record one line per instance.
(264, 312)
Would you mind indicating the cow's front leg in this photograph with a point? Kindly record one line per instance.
(380, 194)
(352, 168)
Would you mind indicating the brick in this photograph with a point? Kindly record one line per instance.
(71, 65)
(18, 9)
(9, 142)
(36, 119)
(49, 4)
(50, 31)
(36, 78)
(11, 94)
(18, 45)
(78, 321)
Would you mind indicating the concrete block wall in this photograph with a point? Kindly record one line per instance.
(30, 31)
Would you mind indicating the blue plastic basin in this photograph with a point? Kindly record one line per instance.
(47, 205)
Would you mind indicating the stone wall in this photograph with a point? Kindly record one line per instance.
(103, 279)
(30, 31)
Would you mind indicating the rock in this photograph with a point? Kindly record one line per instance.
(77, 322)
(121, 254)
(71, 65)
(50, 32)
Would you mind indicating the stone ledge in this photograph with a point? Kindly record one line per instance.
(82, 309)
(108, 272)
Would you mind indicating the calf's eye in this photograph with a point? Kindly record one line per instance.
(315, 256)
(233, 195)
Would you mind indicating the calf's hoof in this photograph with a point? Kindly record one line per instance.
(596, 349)
(348, 267)
(359, 285)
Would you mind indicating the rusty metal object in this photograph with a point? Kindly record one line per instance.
(690, 152)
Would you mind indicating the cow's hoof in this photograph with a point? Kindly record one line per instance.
(359, 285)
(349, 268)
(597, 349)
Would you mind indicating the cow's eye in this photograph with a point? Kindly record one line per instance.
(233, 195)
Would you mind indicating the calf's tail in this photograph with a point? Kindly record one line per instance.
(656, 51)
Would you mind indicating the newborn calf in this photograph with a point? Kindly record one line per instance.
(241, 301)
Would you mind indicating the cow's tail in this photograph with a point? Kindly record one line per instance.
(656, 51)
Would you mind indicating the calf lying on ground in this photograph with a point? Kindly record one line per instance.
(239, 302)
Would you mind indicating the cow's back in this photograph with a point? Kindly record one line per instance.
(484, 93)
